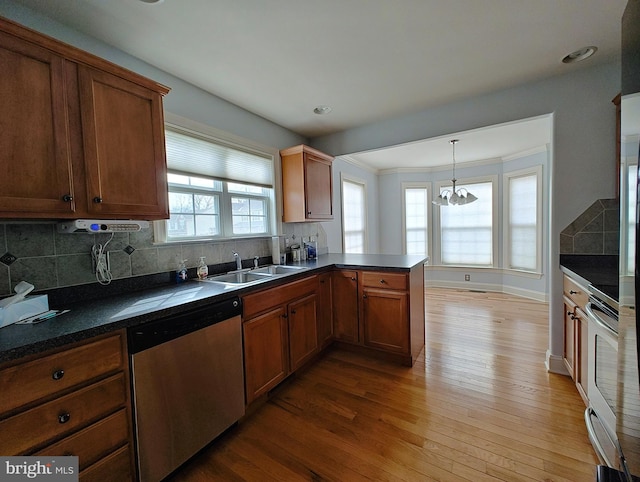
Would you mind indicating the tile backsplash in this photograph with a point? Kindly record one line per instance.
(595, 231)
(36, 253)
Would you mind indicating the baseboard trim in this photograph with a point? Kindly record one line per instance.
(495, 288)
(555, 364)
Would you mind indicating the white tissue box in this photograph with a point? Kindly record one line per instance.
(30, 306)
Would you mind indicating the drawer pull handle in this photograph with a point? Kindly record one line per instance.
(571, 292)
(64, 417)
(382, 281)
(57, 375)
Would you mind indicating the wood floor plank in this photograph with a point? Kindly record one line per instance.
(478, 405)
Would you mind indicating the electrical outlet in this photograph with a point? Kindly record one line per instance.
(467, 277)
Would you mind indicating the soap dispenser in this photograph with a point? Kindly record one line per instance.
(181, 272)
(203, 269)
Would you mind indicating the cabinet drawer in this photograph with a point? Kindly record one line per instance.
(392, 281)
(576, 293)
(28, 429)
(45, 376)
(113, 468)
(93, 442)
(264, 300)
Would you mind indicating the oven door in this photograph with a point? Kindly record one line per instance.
(602, 381)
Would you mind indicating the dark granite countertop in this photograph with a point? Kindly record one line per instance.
(598, 270)
(92, 317)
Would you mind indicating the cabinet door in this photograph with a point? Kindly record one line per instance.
(34, 132)
(344, 287)
(325, 312)
(318, 187)
(385, 322)
(265, 354)
(569, 337)
(123, 133)
(303, 334)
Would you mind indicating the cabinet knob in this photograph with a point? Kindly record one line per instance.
(97, 199)
(67, 198)
(57, 375)
(64, 417)
(571, 292)
(364, 296)
(382, 281)
(353, 279)
(309, 213)
(293, 312)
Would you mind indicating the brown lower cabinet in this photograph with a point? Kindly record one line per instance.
(381, 312)
(344, 287)
(72, 401)
(280, 333)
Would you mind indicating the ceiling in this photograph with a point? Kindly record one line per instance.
(368, 59)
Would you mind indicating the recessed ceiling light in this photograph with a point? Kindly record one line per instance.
(152, 1)
(581, 54)
(322, 109)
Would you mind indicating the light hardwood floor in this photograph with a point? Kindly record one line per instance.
(479, 406)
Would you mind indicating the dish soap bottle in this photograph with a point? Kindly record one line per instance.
(203, 269)
(181, 272)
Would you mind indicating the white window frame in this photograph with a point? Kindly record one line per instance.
(215, 135)
(437, 225)
(353, 180)
(417, 185)
(506, 241)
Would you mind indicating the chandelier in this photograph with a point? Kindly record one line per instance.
(460, 196)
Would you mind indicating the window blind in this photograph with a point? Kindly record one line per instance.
(523, 215)
(467, 230)
(192, 154)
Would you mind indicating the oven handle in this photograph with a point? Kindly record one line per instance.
(594, 438)
(599, 322)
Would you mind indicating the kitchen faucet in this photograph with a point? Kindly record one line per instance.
(255, 261)
(238, 260)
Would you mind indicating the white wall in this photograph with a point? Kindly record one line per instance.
(582, 152)
(334, 228)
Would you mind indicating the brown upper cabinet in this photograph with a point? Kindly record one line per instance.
(79, 136)
(307, 185)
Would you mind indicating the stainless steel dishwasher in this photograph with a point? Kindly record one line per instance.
(188, 384)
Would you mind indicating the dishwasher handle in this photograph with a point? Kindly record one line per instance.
(157, 332)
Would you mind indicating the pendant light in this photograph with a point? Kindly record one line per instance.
(460, 196)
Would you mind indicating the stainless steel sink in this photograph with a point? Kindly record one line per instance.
(255, 275)
(276, 269)
(240, 278)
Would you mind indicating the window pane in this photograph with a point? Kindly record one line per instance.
(249, 215)
(523, 215)
(353, 217)
(181, 225)
(207, 225)
(467, 230)
(415, 208)
(205, 204)
(180, 202)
